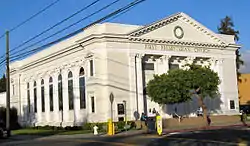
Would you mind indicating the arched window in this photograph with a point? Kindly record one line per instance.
(82, 88)
(60, 93)
(28, 96)
(42, 96)
(70, 91)
(35, 97)
(51, 94)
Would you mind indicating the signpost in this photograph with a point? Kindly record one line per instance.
(110, 122)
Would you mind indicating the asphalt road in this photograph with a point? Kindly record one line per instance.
(221, 137)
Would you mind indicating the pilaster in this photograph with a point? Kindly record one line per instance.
(76, 86)
(131, 108)
(140, 82)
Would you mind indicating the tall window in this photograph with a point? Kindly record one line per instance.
(173, 66)
(82, 89)
(92, 104)
(70, 91)
(13, 89)
(51, 94)
(232, 104)
(35, 98)
(91, 67)
(60, 93)
(28, 96)
(42, 96)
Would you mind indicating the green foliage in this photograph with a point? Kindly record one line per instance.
(13, 117)
(176, 86)
(3, 84)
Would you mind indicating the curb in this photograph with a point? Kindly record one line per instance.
(204, 128)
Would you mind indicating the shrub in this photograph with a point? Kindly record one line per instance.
(13, 117)
(120, 124)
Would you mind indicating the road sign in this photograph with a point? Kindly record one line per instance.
(111, 97)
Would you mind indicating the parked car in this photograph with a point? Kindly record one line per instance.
(245, 108)
(3, 131)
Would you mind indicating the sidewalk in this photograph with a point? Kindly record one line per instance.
(218, 126)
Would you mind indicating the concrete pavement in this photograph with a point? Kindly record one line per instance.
(138, 137)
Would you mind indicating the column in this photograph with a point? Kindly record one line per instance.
(47, 99)
(39, 102)
(65, 114)
(219, 68)
(163, 64)
(139, 83)
(216, 65)
(56, 113)
(131, 107)
(76, 87)
(163, 67)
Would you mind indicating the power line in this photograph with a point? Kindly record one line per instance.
(33, 16)
(90, 15)
(125, 8)
(62, 21)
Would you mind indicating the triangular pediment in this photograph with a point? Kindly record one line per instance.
(179, 27)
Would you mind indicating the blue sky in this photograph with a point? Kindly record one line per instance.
(206, 12)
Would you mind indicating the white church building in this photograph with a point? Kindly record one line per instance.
(70, 82)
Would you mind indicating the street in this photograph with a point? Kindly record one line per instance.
(220, 137)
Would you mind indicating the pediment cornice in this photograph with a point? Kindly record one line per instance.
(175, 42)
(173, 18)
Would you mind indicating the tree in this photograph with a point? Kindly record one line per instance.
(3, 84)
(181, 85)
(226, 27)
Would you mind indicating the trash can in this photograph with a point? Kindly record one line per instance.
(151, 125)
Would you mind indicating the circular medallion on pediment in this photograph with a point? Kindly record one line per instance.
(178, 32)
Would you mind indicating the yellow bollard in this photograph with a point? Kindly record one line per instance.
(113, 129)
(159, 125)
(110, 127)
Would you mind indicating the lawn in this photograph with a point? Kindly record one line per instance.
(43, 132)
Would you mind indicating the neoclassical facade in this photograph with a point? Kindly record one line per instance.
(70, 82)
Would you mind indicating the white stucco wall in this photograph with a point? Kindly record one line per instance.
(118, 51)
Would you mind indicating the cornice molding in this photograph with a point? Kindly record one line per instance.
(175, 42)
(184, 17)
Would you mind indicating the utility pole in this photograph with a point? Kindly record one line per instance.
(7, 85)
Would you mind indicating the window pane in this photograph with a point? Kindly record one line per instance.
(60, 96)
(71, 94)
(148, 66)
(43, 100)
(232, 105)
(81, 72)
(93, 104)
(28, 97)
(60, 77)
(70, 75)
(51, 97)
(50, 79)
(120, 109)
(82, 92)
(173, 66)
(91, 67)
(35, 100)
